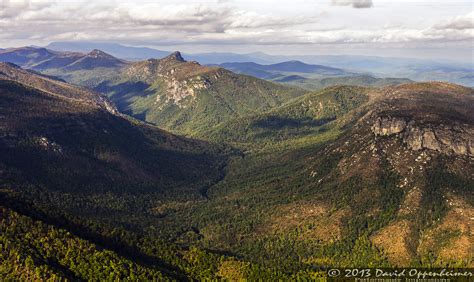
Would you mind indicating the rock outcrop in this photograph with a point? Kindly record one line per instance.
(388, 126)
(180, 90)
(180, 78)
(453, 139)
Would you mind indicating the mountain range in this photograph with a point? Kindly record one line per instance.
(166, 169)
(43, 59)
(187, 97)
(275, 70)
(143, 53)
(309, 76)
(170, 92)
(411, 68)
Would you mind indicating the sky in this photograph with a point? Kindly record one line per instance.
(424, 29)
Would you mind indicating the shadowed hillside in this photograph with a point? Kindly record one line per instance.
(187, 97)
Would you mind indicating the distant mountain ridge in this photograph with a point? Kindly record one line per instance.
(309, 76)
(117, 50)
(278, 70)
(412, 68)
(26, 56)
(355, 80)
(95, 59)
(44, 59)
(143, 53)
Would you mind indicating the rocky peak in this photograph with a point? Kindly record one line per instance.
(96, 53)
(175, 56)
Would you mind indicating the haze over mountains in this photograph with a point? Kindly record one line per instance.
(283, 177)
(310, 76)
(412, 68)
(43, 59)
(364, 66)
(277, 70)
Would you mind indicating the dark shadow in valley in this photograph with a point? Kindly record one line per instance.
(122, 93)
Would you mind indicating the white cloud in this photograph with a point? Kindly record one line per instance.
(11, 9)
(213, 23)
(458, 23)
(353, 3)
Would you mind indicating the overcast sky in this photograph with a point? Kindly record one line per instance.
(423, 28)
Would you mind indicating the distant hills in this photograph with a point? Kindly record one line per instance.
(143, 53)
(26, 56)
(355, 80)
(44, 59)
(95, 59)
(309, 76)
(411, 68)
(377, 67)
(276, 71)
(117, 50)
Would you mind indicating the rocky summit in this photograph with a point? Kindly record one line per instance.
(438, 119)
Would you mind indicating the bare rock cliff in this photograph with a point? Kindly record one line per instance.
(455, 139)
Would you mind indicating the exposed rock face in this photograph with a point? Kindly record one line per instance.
(453, 139)
(388, 126)
(181, 79)
(180, 90)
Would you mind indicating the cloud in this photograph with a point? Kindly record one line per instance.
(211, 23)
(194, 18)
(10, 9)
(353, 3)
(464, 22)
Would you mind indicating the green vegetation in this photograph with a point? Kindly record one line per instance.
(32, 250)
(285, 185)
(226, 97)
(305, 120)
